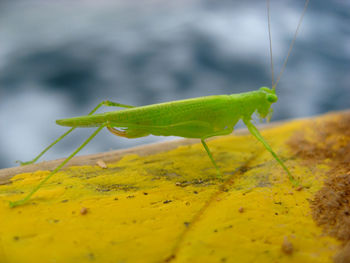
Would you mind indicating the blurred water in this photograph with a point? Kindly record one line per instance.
(60, 59)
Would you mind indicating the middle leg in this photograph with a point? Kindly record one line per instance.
(211, 158)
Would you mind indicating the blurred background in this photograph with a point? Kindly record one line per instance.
(59, 59)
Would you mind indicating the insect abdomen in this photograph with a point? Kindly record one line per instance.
(210, 109)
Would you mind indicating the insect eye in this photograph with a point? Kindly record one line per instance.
(271, 98)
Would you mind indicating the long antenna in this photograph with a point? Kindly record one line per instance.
(291, 45)
(270, 40)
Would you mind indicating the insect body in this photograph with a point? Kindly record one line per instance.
(200, 118)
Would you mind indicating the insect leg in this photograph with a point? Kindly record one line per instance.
(103, 103)
(117, 132)
(184, 129)
(255, 132)
(128, 133)
(211, 158)
(27, 197)
(111, 104)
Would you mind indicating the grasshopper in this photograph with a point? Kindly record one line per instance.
(199, 118)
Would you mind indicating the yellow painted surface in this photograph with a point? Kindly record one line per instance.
(170, 207)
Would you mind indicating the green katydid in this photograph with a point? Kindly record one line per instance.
(200, 118)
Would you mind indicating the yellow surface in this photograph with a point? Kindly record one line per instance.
(170, 207)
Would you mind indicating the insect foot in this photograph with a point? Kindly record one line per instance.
(24, 163)
(16, 203)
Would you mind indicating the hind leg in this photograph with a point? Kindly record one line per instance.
(130, 133)
(35, 189)
(103, 103)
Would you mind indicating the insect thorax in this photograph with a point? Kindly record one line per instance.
(245, 104)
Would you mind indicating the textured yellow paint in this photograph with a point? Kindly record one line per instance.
(170, 207)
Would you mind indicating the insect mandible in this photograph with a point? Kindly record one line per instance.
(199, 118)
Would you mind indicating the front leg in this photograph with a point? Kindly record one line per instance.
(255, 132)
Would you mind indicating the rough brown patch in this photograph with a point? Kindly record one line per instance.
(329, 139)
(83, 211)
(325, 139)
(331, 207)
(344, 255)
(287, 246)
(102, 164)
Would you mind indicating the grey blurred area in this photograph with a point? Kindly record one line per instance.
(59, 59)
